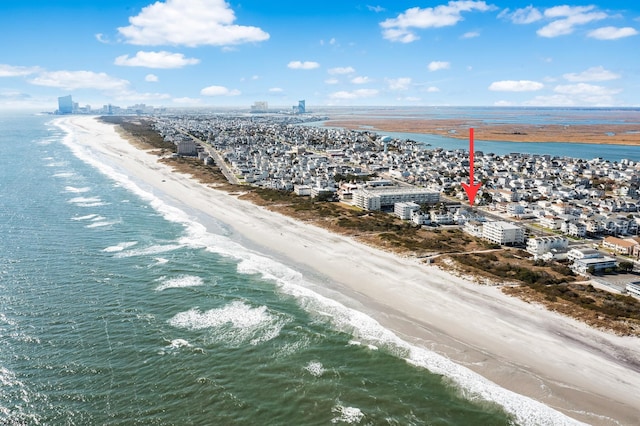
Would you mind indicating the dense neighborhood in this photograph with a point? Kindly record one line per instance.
(558, 208)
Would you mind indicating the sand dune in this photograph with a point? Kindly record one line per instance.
(587, 374)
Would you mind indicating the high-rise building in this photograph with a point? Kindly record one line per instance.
(65, 105)
(260, 106)
(301, 107)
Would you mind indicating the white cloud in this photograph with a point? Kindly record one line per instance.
(187, 101)
(402, 83)
(331, 81)
(580, 94)
(219, 91)
(400, 29)
(361, 80)
(503, 103)
(14, 71)
(585, 89)
(438, 65)
(432, 89)
(306, 65)
(612, 33)
(515, 86)
(592, 74)
(71, 80)
(376, 9)
(526, 15)
(355, 94)
(102, 38)
(160, 59)
(470, 34)
(341, 70)
(569, 18)
(552, 100)
(151, 78)
(189, 23)
(133, 96)
(276, 90)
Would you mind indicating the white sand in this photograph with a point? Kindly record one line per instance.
(587, 374)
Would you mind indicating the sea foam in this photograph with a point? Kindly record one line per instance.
(180, 282)
(235, 323)
(315, 368)
(350, 415)
(119, 247)
(74, 190)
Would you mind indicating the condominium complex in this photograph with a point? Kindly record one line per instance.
(541, 245)
(378, 198)
(500, 232)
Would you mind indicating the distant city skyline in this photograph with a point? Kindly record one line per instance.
(190, 53)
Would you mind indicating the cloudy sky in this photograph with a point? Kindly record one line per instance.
(391, 52)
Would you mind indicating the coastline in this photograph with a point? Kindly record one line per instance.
(560, 362)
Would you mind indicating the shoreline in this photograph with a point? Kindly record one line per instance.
(550, 358)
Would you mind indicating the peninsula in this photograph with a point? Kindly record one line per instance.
(530, 350)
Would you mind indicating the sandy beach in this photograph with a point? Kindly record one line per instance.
(587, 374)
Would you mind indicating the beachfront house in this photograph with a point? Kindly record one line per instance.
(540, 246)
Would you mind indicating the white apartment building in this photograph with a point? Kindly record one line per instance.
(502, 233)
(633, 289)
(405, 210)
(541, 245)
(441, 218)
(583, 253)
(376, 198)
(186, 147)
(473, 228)
(583, 266)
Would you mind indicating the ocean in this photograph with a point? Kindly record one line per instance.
(118, 307)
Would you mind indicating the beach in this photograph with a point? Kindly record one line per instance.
(589, 375)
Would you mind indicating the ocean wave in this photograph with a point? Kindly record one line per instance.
(151, 250)
(350, 415)
(74, 190)
(236, 323)
(315, 368)
(64, 174)
(98, 204)
(85, 217)
(84, 200)
(102, 224)
(180, 282)
(119, 246)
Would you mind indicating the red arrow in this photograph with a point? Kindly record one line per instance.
(471, 188)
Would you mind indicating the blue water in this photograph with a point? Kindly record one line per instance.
(537, 116)
(119, 308)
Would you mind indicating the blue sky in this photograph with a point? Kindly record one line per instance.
(330, 53)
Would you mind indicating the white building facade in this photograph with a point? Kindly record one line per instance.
(376, 198)
(541, 245)
(503, 233)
